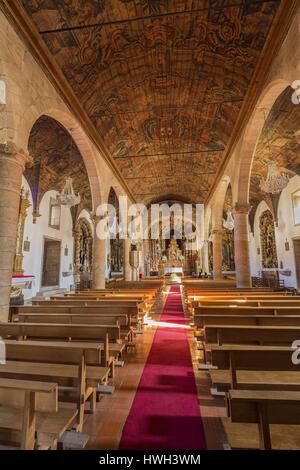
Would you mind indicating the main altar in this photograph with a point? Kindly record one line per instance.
(172, 261)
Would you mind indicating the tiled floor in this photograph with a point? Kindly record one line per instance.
(105, 426)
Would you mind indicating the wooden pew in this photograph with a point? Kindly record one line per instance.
(107, 335)
(270, 301)
(69, 318)
(105, 311)
(264, 320)
(258, 367)
(248, 311)
(77, 361)
(263, 419)
(243, 334)
(137, 307)
(31, 415)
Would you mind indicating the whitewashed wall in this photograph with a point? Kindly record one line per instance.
(36, 233)
(286, 231)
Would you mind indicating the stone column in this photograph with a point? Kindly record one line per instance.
(217, 253)
(99, 259)
(205, 265)
(12, 165)
(241, 246)
(127, 267)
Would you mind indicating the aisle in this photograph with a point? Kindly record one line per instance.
(165, 412)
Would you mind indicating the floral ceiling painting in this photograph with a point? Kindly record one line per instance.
(162, 82)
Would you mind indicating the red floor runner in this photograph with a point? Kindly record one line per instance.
(165, 413)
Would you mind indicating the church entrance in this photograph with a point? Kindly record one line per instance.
(51, 263)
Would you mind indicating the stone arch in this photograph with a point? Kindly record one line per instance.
(218, 203)
(44, 107)
(251, 136)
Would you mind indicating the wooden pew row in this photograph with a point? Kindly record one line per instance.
(254, 367)
(105, 312)
(30, 414)
(75, 366)
(136, 311)
(250, 302)
(69, 318)
(107, 336)
(247, 311)
(20, 401)
(139, 307)
(243, 334)
(263, 420)
(201, 321)
(144, 304)
(144, 293)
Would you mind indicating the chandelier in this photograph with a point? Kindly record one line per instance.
(275, 181)
(229, 222)
(67, 197)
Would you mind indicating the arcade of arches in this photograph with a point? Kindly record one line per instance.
(165, 103)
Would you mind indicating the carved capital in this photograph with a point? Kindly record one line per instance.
(241, 208)
(10, 151)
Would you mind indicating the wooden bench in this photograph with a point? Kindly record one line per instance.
(264, 320)
(105, 311)
(85, 357)
(243, 334)
(138, 308)
(259, 367)
(69, 318)
(31, 415)
(107, 335)
(263, 419)
(247, 311)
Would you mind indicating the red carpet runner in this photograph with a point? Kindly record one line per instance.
(165, 413)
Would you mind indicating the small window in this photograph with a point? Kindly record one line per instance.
(296, 206)
(55, 211)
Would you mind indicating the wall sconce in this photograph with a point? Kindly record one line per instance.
(258, 251)
(66, 251)
(281, 265)
(287, 245)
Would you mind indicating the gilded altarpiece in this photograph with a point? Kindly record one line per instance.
(268, 242)
(18, 261)
(83, 253)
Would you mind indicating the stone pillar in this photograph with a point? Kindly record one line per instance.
(241, 246)
(127, 267)
(205, 265)
(12, 165)
(99, 259)
(217, 253)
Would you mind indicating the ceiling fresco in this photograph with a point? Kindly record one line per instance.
(279, 141)
(55, 157)
(162, 81)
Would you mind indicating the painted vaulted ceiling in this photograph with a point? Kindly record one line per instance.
(162, 81)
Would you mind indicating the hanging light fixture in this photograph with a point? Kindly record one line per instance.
(67, 197)
(275, 180)
(229, 222)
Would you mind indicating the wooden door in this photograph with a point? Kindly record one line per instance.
(51, 263)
